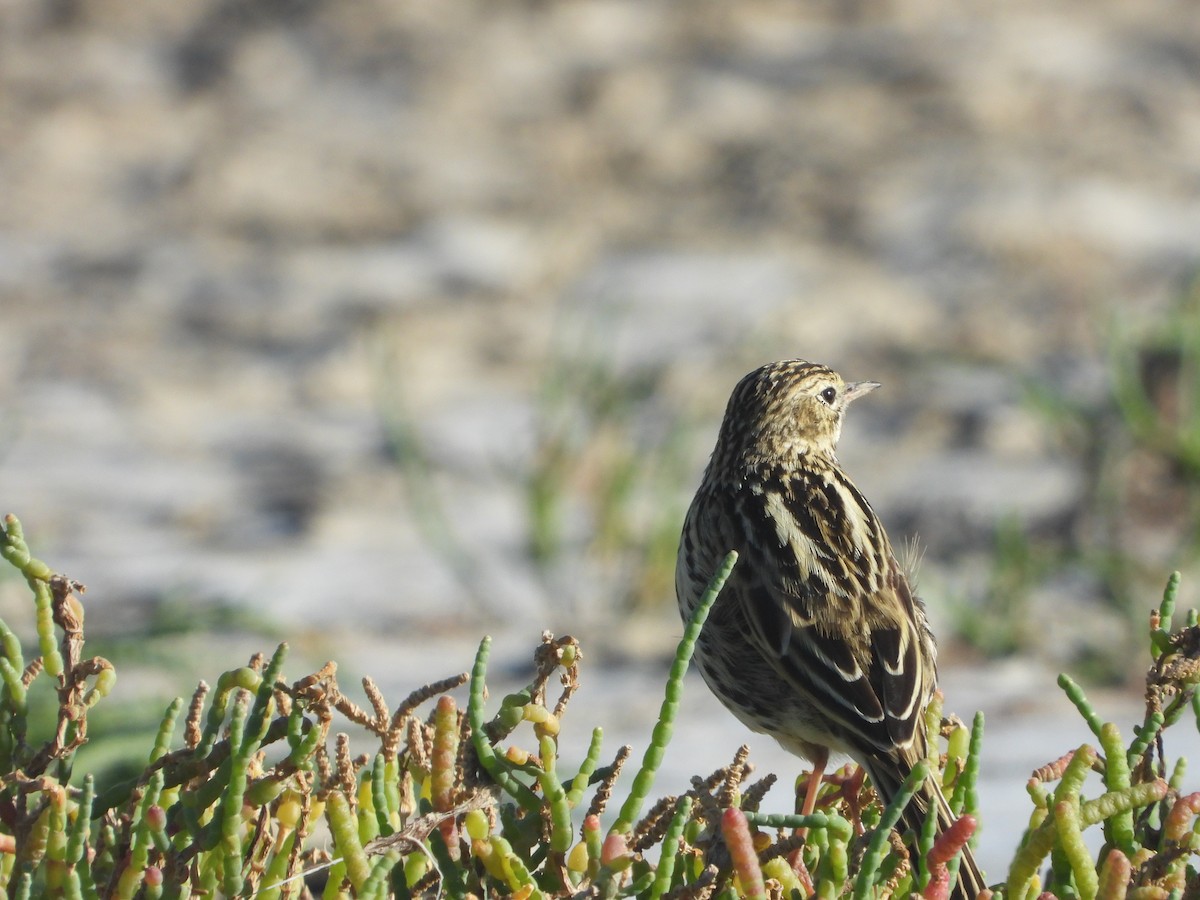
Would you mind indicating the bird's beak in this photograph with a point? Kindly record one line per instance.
(856, 389)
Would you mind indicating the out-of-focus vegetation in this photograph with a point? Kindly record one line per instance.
(1138, 446)
(604, 490)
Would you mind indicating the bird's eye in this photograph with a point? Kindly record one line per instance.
(829, 394)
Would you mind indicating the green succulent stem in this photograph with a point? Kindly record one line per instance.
(665, 726)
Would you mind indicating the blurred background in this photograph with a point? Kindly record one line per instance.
(377, 326)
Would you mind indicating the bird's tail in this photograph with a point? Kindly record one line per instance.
(887, 779)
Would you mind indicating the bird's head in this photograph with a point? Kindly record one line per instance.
(785, 410)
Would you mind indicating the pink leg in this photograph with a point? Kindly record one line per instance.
(814, 784)
(810, 802)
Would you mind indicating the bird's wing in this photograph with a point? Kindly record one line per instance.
(829, 605)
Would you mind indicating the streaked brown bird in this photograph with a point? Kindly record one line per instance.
(817, 638)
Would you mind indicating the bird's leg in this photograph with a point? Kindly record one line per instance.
(819, 761)
(850, 790)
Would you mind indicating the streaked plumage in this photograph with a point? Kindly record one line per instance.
(817, 638)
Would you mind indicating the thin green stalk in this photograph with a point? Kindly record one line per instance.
(344, 828)
(1145, 736)
(1160, 637)
(665, 726)
(878, 846)
(264, 696)
(1118, 829)
(556, 797)
(229, 815)
(1070, 839)
(379, 794)
(670, 849)
(47, 638)
(966, 790)
(1075, 694)
(77, 840)
(580, 782)
(819, 821)
(492, 764)
(162, 740)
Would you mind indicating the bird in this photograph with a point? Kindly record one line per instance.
(817, 637)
